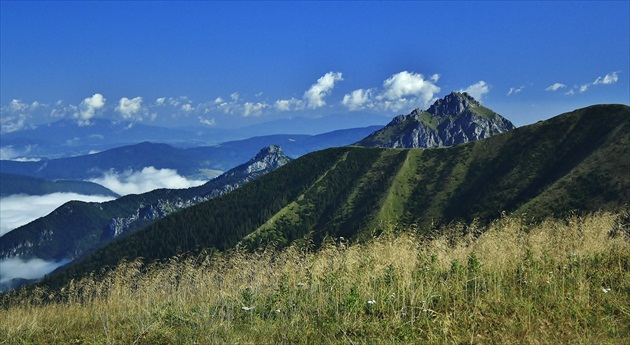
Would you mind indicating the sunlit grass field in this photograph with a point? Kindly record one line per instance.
(557, 282)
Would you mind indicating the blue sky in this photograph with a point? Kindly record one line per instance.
(222, 64)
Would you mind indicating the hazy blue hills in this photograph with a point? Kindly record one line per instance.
(65, 138)
(575, 162)
(198, 162)
(11, 184)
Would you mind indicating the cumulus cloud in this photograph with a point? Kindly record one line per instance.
(35, 268)
(250, 108)
(8, 153)
(288, 104)
(401, 90)
(610, 78)
(555, 87)
(17, 210)
(148, 179)
(160, 101)
(477, 90)
(405, 84)
(88, 108)
(316, 94)
(357, 99)
(15, 115)
(515, 90)
(128, 108)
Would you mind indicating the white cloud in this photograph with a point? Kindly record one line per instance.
(17, 210)
(16, 115)
(12, 123)
(610, 78)
(555, 87)
(150, 178)
(187, 107)
(405, 84)
(160, 101)
(8, 153)
(402, 90)
(288, 104)
(314, 96)
(357, 99)
(88, 108)
(218, 100)
(477, 90)
(207, 122)
(128, 108)
(515, 90)
(34, 268)
(235, 96)
(250, 108)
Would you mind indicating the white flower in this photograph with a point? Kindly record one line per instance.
(248, 308)
(605, 290)
(300, 284)
(277, 310)
(370, 302)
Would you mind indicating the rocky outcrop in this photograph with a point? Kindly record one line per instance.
(456, 119)
(267, 159)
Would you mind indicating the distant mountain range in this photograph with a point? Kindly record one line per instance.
(11, 184)
(456, 119)
(197, 162)
(575, 162)
(77, 228)
(65, 138)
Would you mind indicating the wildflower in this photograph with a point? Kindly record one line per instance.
(300, 284)
(248, 308)
(277, 310)
(370, 302)
(605, 290)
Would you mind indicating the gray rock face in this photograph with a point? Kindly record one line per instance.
(456, 119)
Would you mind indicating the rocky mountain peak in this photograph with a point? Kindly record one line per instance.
(455, 119)
(268, 157)
(454, 103)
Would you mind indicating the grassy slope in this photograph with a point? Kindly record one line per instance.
(357, 192)
(561, 281)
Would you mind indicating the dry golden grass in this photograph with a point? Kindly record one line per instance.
(508, 283)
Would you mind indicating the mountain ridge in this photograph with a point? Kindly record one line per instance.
(58, 235)
(456, 119)
(546, 169)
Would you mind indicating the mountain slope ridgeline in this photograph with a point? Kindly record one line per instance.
(575, 162)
